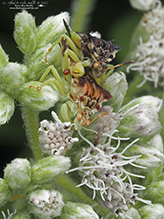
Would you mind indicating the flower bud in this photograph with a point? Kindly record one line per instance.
(156, 142)
(5, 192)
(78, 211)
(152, 211)
(12, 78)
(7, 107)
(51, 29)
(49, 168)
(151, 159)
(3, 58)
(18, 174)
(153, 102)
(155, 192)
(107, 123)
(25, 32)
(31, 96)
(145, 5)
(45, 204)
(131, 213)
(117, 85)
(140, 117)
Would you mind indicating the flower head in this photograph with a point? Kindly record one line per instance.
(140, 117)
(149, 62)
(55, 137)
(45, 204)
(153, 21)
(150, 51)
(103, 170)
(109, 122)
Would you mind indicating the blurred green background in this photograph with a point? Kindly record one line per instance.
(114, 19)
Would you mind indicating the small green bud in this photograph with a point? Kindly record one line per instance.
(45, 204)
(25, 32)
(151, 160)
(21, 215)
(7, 107)
(5, 192)
(153, 102)
(36, 98)
(49, 168)
(18, 174)
(155, 211)
(131, 213)
(51, 29)
(157, 142)
(4, 59)
(140, 117)
(155, 192)
(78, 211)
(117, 85)
(12, 78)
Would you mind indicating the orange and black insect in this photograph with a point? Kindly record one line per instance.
(88, 96)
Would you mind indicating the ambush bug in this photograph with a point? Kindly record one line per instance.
(80, 50)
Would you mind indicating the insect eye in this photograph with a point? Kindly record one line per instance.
(96, 65)
(66, 71)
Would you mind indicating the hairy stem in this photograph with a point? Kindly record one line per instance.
(80, 14)
(31, 123)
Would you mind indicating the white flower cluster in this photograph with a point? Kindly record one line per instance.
(46, 204)
(150, 54)
(102, 170)
(153, 21)
(109, 122)
(55, 137)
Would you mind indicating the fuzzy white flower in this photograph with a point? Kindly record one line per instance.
(150, 56)
(102, 170)
(55, 137)
(143, 5)
(150, 53)
(153, 21)
(107, 123)
(46, 204)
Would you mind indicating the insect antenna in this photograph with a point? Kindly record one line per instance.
(67, 28)
(115, 66)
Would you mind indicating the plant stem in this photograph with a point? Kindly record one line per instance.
(31, 123)
(80, 11)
